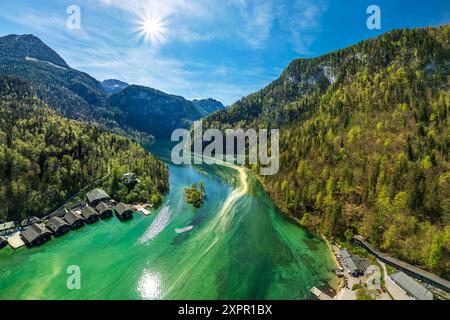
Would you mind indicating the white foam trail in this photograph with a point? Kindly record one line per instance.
(158, 225)
(225, 215)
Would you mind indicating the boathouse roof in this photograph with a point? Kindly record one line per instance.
(102, 207)
(122, 208)
(96, 195)
(55, 223)
(33, 232)
(88, 212)
(72, 217)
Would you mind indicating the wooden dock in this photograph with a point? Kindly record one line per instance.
(320, 295)
(144, 211)
(143, 208)
(15, 241)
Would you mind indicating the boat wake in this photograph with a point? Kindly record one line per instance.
(211, 236)
(158, 225)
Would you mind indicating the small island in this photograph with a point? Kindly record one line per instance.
(195, 194)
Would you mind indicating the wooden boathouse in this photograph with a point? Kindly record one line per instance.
(74, 220)
(124, 211)
(35, 235)
(57, 226)
(90, 215)
(94, 197)
(104, 210)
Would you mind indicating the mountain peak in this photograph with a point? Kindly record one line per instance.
(28, 46)
(207, 106)
(112, 86)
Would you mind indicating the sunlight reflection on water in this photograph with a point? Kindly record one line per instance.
(149, 285)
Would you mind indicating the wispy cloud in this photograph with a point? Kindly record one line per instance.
(305, 25)
(258, 18)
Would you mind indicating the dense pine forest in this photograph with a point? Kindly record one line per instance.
(365, 142)
(45, 158)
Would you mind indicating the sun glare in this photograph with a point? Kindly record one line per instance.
(152, 29)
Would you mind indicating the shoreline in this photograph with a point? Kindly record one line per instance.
(337, 289)
(340, 287)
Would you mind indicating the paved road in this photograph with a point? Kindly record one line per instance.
(394, 290)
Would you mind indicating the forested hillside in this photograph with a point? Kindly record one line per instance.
(137, 112)
(45, 159)
(158, 113)
(365, 142)
(29, 47)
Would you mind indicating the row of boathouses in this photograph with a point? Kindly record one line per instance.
(97, 206)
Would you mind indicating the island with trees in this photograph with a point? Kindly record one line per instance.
(195, 194)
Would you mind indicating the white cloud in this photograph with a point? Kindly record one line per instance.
(302, 20)
(258, 19)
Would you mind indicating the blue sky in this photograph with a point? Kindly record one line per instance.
(206, 48)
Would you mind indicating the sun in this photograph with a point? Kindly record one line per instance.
(152, 29)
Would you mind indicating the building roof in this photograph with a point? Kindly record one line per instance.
(88, 212)
(122, 207)
(80, 204)
(72, 217)
(102, 207)
(361, 263)
(55, 223)
(7, 225)
(3, 240)
(348, 261)
(96, 195)
(33, 232)
(411, 286)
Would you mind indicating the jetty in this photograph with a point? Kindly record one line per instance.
(320, 294)
(15, 241)
(143, 208)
